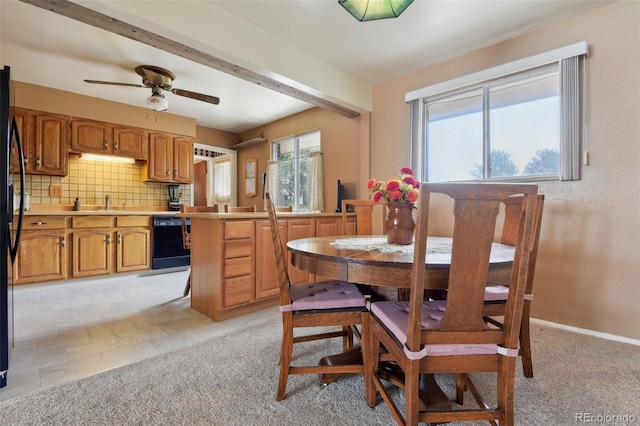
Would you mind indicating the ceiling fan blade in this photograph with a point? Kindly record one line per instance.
(113, 83)
(197, 96)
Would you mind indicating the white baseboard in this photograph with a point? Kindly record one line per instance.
(586, 331)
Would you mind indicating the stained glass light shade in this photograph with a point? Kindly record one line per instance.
(369, 10)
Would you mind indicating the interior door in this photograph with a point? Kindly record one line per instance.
(200, 183)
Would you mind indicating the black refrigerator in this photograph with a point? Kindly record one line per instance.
(9, 229)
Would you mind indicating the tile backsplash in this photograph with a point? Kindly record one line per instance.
(91, 180)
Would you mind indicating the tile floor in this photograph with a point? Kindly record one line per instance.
(68, 330)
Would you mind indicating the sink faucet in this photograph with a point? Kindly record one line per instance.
(107, 202)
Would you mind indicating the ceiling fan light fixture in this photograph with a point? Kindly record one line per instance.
(157, 102)
(370, 10)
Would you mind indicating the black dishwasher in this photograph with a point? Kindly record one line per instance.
(168, 251)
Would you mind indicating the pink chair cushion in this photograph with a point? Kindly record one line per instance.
(325, 295)
(394, 315)
(497, 292)
(500, 293)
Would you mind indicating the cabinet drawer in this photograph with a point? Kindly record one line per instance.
(238, 229)
(43, 222)
(123, 221)
(236, 267)
(237, 291)
(237, 248)
(91, 222)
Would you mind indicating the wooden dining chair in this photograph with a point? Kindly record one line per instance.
(364, 210)
(496, 296)
(186, 235)
(450, 336)
(321, 304)
(231, 209)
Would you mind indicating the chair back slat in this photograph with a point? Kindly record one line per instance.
(364, 210)
(475, 210)
(237, 209)
(186, 235)
(279, 253)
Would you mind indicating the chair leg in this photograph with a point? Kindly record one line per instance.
(525, 341)
(372, 347)
(285, 354)
(505, 390)
(411, 392)
(188, 286)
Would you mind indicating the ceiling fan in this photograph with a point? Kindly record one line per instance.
(159, 80)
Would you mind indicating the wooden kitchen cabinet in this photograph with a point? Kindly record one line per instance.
(97, 137)
(42, 252)
(266, 271)
(133, 243)
(92, 242)
(170, 159)
(44, 138)
(232, 265)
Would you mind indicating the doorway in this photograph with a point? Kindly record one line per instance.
(202, 189)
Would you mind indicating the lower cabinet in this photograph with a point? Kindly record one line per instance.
(91, 252)
(42, 255)
(105, 245)
(232, 264)
(60, 247)
(133, 243)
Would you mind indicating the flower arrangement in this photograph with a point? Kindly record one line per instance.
(402, 189)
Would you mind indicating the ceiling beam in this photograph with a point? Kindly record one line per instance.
(107, 23)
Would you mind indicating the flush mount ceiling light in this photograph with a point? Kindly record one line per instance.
(157, 102)
(369, 10)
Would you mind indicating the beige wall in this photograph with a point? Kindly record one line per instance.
(340, 144)
(588, 271)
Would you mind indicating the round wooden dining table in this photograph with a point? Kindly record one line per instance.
(371, 260)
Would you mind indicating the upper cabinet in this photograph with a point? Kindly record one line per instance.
(44, 138)
(170, 159)
(103, 138)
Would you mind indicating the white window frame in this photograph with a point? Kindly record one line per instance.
(570, 108)
(296, 143)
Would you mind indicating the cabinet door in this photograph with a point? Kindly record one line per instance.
(296, 229)
(130, 142)
(26, 137)
(133, 249)
(51, 145)
(41, 257)
(92, 252)
(160, 163)
(266, 272)
(90, 136)
(183, 159)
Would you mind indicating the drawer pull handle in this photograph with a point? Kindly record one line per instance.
(108, 239)
(63, 242)
(38, 223)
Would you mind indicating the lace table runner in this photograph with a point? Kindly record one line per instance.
(434, 245)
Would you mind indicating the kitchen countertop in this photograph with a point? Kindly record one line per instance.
(97, 213)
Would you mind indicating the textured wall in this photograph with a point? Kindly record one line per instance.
(588, 272)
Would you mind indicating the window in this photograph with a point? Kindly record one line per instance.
(516, 125)
(222, 180)
(294, 175)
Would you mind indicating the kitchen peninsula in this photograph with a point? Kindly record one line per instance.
(232, 266)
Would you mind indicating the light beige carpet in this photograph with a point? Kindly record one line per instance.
(232, 380)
